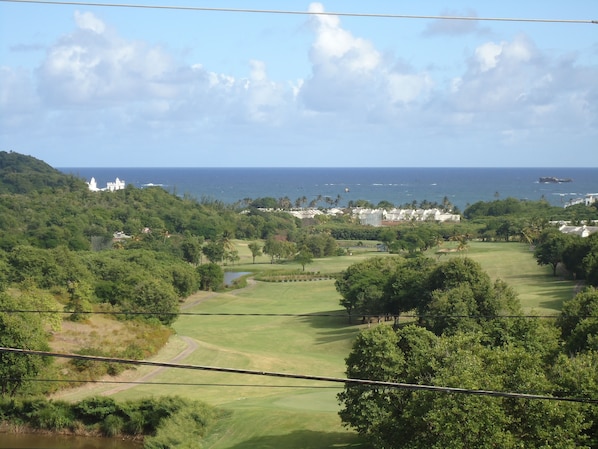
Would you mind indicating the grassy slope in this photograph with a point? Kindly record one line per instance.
(294, 414)
(539, 292)
(289, 415)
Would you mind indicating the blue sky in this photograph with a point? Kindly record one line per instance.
(84, 86)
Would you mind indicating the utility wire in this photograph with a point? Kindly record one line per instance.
(298, 315)
(346, 381)
(308, 13)
(178, 384)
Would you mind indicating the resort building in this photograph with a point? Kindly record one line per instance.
(589, 199)
(382, 217)
(582, 231)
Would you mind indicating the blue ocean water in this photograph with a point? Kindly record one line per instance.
(462, 186)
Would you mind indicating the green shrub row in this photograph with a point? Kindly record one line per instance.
(153, 419)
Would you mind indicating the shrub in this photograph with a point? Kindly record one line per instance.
(112, 425)
(95, 409)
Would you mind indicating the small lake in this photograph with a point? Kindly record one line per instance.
(36, 441)
(230, 276)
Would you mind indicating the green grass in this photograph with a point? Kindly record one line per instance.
(539, 291)
(267, 411)
(270, 412)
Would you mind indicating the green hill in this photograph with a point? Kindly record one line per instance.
(24, 174)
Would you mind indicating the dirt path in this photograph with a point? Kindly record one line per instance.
(128, 376)
(191, 346)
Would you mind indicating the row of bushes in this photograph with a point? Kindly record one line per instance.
(293, 276)
(166, 422)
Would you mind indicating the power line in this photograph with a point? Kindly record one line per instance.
(307, 13)
(297, 315)
(363, 382)
(178, 384)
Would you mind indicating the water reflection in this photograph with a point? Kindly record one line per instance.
(35, 441)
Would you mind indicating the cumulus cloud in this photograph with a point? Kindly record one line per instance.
(512, 84)
(95, 67)
(95, 83)
(349, 75)
(87, 21)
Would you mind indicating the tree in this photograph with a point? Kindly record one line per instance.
(278, 249)
(232, 256)
(375, 355)
(550, 248)
(399, 418)
(304, 257)
(158, 298)
(79, 296)
(214, 251)
(319, 245)
(406, 285)
(363, 285)
(459, 288)
(211, 276)
(387, 236)
(184, 280)
(578, 321)
(21, 331)
(256, 250)
(191, 249)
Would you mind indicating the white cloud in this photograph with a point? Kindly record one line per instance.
(87, 21)
(350, 76)
(95, 84)
(94, 67)
(512, 84)
(487, 55)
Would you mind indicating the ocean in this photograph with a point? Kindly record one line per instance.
(462, 186)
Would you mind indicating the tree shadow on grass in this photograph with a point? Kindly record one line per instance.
(332, 328)
(554, 303)
(305, 439)
(332, 319)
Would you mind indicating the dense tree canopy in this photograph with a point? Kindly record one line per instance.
(470, 335)
(579, 255)
(399, 418)
(20, 330)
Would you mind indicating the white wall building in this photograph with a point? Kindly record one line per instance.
(110, 186)
(375, 217)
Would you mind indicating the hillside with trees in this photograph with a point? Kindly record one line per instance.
(25, 174)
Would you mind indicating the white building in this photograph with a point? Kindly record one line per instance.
(376, 217)
(589, 199)
(582, 231)
(110, 186)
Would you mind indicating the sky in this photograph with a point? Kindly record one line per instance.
(91, 86)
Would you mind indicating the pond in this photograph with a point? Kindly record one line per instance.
(230, 276)
(37, 441)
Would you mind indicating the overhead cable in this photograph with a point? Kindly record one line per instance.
(177, 384)
(297, 315)
(308, 13)
(346, 381)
